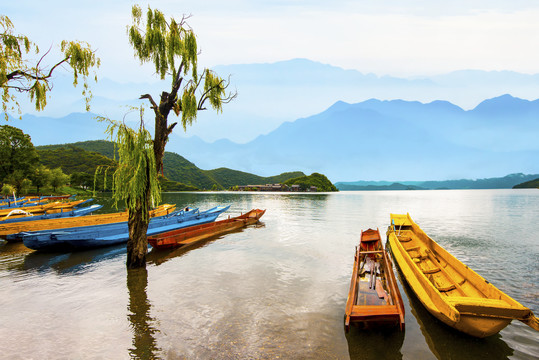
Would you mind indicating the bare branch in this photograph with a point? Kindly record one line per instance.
(171, 127)
(39, 62)
(20, 73)
(150, 99)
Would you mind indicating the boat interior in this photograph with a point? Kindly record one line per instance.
(447, 279)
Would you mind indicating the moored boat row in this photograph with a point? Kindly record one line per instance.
(86, 237)
(91, 231)
(14, 231)
(49, 208)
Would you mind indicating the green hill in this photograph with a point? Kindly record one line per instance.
(315, 179)
(72, 159)
(103, 147)
(181, 174)
(177, 168)
(228, 178)
(532, 184)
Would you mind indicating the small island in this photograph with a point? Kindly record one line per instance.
(313, 183)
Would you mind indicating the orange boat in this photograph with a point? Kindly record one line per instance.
(193, 234)
(374, 297)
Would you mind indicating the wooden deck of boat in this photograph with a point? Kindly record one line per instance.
(374, 297)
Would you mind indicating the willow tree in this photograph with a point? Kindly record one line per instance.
(20, 73)
(135, 183)
(171, 46)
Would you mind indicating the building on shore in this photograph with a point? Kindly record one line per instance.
(275, 187)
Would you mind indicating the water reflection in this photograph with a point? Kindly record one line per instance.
(12, 255)
(144, 343)
(73, 262)
(159, 256)
(375, 343)
(448, 343)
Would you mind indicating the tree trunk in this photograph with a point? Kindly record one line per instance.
(137, 244)
(160, 139)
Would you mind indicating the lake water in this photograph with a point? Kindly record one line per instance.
(275, 290)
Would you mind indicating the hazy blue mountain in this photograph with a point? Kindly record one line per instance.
(399, 141)
(506, 182)
(71, 128)
(395, 140)
(393, 186)
(273, 93)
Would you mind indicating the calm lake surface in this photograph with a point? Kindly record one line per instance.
(275, 290)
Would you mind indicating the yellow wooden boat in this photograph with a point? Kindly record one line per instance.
(450, 290)
(69, 222)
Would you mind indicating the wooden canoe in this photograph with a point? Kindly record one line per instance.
(9, 231)
(193, 234)
(374, 297)
(450, 290)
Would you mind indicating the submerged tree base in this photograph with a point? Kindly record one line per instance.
(137, 245)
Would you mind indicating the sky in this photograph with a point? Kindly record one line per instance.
(404, 39)
(391, 37)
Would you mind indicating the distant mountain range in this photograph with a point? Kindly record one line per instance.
(399, 140)
(272, 93)
(371, 140)
(506, 182)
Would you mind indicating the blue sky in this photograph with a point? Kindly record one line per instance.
(416, 37)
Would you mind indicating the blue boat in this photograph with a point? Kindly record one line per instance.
(77, 211)
(8, 201)
(16, 204)
(89, 237)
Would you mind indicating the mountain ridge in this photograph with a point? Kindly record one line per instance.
(506, 182)
(272, 93)
(373, 140)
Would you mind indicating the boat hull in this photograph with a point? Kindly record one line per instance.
(448, 289)
(194, 234)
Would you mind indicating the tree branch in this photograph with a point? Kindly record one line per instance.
(171, 127)
(150, 99)
(23, 74)
(231, 96)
